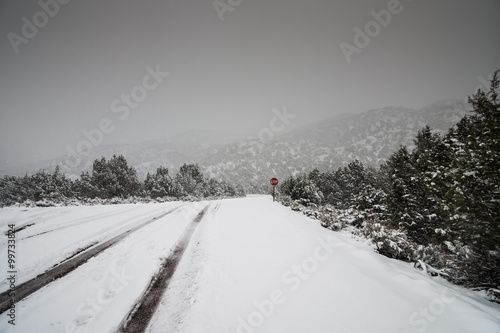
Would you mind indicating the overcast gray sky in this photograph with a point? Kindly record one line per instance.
(228, 67)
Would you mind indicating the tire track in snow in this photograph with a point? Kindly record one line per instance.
(20, 228)
(66, 266)
(73, 223)
(138, 319)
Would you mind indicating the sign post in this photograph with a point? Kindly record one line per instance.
(274, 182)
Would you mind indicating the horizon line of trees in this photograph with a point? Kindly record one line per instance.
(113, 178)
(444, 193)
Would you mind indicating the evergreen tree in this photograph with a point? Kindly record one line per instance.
(11, 191)
(315, 176)
(430, 160)
(159, 184)
(114, 178)
(84, 187)
(189, 181)
(286, 186)
(306, 190)
(61, 187)
(339, 194)
(476, 167)
(239, 190)
(328, 187)
(355, 181)
(401, 200)
(214, 188)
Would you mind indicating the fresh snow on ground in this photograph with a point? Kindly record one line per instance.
(256, 266)
(59, 232)
(99, 294)
(252, 266)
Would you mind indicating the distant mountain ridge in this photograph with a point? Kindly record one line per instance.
(370, 137)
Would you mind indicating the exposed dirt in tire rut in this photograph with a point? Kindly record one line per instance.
(68, 265)
(138, 319)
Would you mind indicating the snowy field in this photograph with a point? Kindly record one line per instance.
(251, 266)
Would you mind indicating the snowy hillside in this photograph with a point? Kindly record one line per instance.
(145, 157)
(251, 265)
(370, 137)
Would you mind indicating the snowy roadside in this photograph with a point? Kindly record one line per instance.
(98, 295)
(63, 231)
(395, 243)
(251, 266)
(260, 267)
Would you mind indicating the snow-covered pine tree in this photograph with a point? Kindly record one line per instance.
(305, 189)
(62, 187)
(401, 201)
(11, 191)
(286, 186)
(475, 143)
(84, 188)
(159, 184)
(340, 193)
(430, 159)
(189, 181)
(114, 178)
(214, 188)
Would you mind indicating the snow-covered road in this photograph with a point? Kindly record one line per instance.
(251, 266)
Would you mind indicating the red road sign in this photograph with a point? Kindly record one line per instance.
(274, 181)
